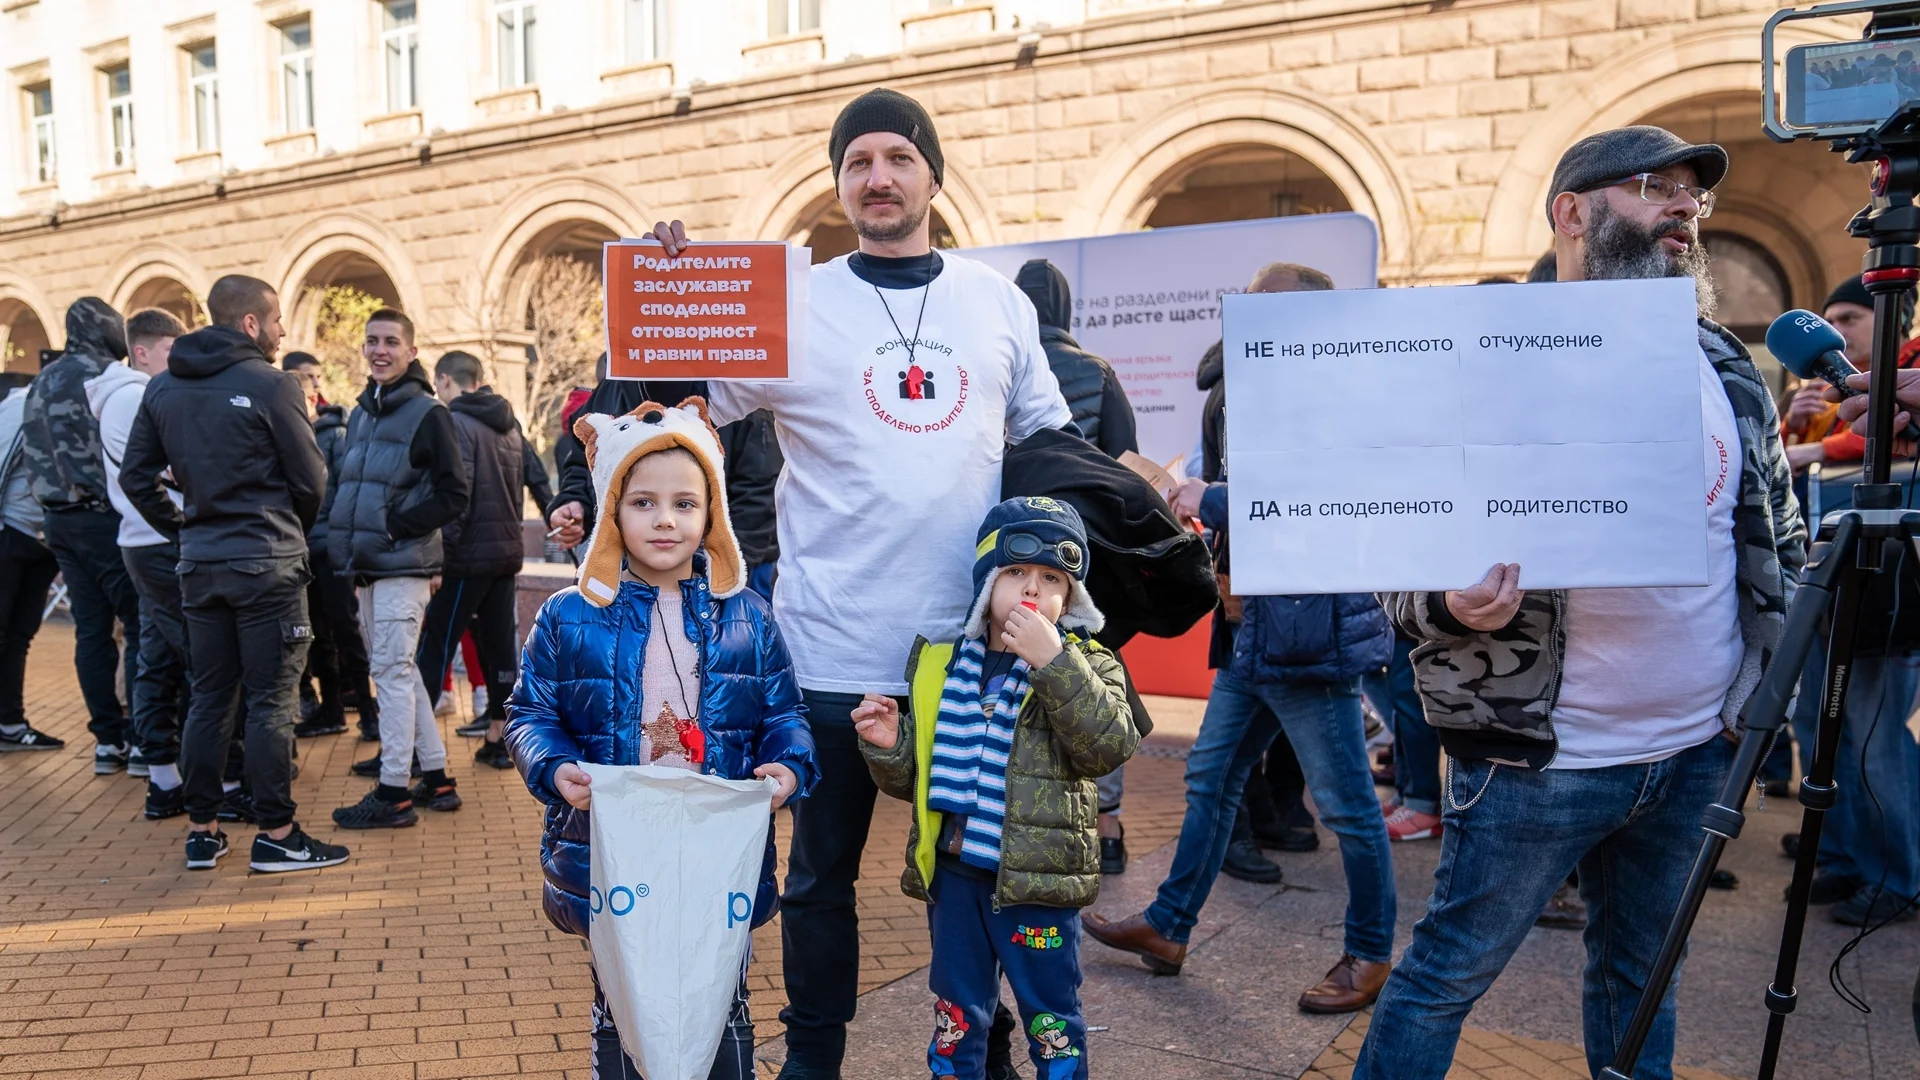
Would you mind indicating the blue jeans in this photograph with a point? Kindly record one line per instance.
(1323, 722)
(1511, 837)
(1873, 831)
(1416, 745)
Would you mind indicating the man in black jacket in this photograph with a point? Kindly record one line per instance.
(400, 482)
(752, 461)
(483, 549)
(1100, 407)
(233, 431)
(60, 446)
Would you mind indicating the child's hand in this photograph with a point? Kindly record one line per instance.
(784, 776)
(1030, 636)
(877, 720)
(572, 782)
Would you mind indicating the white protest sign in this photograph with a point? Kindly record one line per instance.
(1149, 301)
(1407, 439)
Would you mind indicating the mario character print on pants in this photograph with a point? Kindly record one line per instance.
(949, 1027)
(1054, 1047)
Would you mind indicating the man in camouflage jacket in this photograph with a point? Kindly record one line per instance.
(1590, 728)
(60, 445)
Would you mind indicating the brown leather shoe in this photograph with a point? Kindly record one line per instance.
(1137, 936)
(1349, 987)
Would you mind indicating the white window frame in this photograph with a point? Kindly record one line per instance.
(513, 56)
(296, 71)
(400, 56)
(119, 119)
(649, 30)
(45, 145)
(793, 20)
(203, 98)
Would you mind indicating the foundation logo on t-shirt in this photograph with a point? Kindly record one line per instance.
(918, 390)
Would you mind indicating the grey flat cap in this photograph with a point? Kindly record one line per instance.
(1611, 156)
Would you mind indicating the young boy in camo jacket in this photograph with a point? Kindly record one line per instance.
(1004, 732)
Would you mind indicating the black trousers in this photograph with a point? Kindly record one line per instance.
(819, 926)
(159, 689)
(247, 631)
(86, 544)
(338, 658)
(27, 569)
(488, 606)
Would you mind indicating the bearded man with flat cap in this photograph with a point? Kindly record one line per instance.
(1590, 728)
(920, 367)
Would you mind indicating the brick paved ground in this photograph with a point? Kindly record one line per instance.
(424, 957)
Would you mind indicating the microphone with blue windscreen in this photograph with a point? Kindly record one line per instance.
(1811, 348)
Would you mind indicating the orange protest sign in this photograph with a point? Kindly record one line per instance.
(715, 311)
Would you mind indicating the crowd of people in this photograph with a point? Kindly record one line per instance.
(740, 611)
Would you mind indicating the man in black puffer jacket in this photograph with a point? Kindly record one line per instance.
(233, 429)
(483, 548)
(1100, 407)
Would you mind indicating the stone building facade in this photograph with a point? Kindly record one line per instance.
(1441, 120)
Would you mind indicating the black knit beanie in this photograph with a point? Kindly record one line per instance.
(1851, 291)
(881, 109)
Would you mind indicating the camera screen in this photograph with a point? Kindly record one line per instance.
(1851, 82)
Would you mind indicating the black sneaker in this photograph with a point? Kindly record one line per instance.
(204, 849)
(370, 768)
(1113, 853)
(374, 812)
(1291, 838)
(1831, 888)
(494, 754)
(162, 803)
(137, 764)
(442, 798)
(1872, 907)
(28, 739)
(1245, 862)
(108, 760)
(237, 806)
(475, 730)
(320, 725)
(297, 852)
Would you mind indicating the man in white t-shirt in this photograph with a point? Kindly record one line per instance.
(1592, 727)
(920, 367)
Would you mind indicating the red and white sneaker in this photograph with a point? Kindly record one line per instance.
(1406, 823)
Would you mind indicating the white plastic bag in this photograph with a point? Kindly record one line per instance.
(675, 869)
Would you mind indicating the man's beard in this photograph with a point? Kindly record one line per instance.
(267, 345)
(881, 233)
(1617, 249)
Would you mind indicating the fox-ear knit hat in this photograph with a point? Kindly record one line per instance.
(1035, 530)
(614, 444)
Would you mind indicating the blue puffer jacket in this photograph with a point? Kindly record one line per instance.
(1329, 637)
(578, 699)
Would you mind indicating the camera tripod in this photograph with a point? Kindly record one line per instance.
(1853, 546)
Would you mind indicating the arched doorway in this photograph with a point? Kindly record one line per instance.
(171, 297)
(551, 309)
(823, 227)
(22, 337)
(1238, 183)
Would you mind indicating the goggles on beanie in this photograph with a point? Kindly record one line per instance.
(1024, 547)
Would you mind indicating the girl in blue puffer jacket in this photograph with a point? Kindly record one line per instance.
(659, 657)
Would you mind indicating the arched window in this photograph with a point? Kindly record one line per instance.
(1240, 183)
(1752, 286)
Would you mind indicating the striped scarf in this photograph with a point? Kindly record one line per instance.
(970, 749)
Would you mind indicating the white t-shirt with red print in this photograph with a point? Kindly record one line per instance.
(1648, 670)
(891, 462)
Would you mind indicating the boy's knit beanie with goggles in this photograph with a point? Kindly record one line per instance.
(1038, 531)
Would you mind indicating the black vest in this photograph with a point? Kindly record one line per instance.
(376, 477)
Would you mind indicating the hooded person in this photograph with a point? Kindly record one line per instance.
(1092, 389)
(659, 656)
(27, 570)
(60, 444)
(1004, 733)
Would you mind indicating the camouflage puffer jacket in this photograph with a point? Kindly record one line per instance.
(1081, 730)
(1492, 695)
(60, 440)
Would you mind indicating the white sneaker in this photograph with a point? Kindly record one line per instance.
(446, 707)
(479, 701)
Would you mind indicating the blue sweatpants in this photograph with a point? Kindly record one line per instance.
(1039, 950)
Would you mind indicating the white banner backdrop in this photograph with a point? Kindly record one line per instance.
(1408, 439)
(1149, 301)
